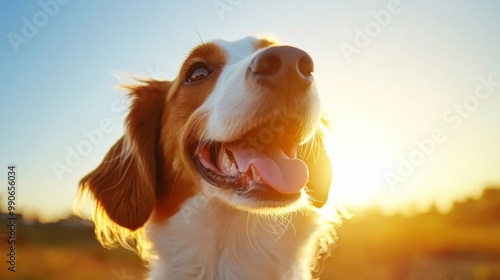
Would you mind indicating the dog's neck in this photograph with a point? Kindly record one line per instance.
(208, 239)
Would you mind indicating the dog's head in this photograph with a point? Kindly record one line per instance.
(241, 121)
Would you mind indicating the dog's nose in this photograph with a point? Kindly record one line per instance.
(282, 68)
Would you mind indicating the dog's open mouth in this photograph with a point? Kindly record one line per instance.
(268, 172)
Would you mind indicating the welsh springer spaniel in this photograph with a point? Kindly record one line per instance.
(222, 171)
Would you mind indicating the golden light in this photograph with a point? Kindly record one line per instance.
(358, 161)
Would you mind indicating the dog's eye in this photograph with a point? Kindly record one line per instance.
(197, 72)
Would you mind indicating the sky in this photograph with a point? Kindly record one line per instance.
(412, 88)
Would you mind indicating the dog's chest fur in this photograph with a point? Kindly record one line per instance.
(219, 242)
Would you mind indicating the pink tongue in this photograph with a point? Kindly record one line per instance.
(282, 173)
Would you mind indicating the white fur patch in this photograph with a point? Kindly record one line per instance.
(222, 243)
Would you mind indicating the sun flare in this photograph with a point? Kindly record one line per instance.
(357, 165)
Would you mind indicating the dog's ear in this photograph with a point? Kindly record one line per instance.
(320, 170)
(124, 184)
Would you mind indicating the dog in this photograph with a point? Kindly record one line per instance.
(221, 173)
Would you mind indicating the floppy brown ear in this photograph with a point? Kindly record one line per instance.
(320, 171)
(124, 184)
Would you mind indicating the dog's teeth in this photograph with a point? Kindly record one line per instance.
(233, 168)
(254, 172)
(258, 178)
(226, 162)
(255, 175)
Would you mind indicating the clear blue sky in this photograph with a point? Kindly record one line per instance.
(394, 90)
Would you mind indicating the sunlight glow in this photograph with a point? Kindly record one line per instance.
(358, 162)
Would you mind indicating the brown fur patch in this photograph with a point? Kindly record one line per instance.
(124, 184)
(263, 43)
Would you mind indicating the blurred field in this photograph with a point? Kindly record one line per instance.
(63, 252)
(462, 244)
